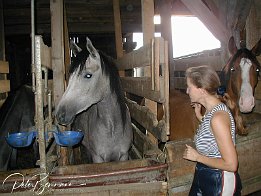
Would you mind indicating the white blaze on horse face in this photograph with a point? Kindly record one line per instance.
(246, 101)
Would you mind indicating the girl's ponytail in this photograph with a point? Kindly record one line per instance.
(226, 99)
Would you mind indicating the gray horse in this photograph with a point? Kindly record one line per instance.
(95, 104)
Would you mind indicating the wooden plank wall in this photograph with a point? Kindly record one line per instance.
(46, 55)
(179, 65)
(4, 81)
(154, 87)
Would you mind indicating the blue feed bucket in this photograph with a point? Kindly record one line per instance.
(20, 139)
(68, 138)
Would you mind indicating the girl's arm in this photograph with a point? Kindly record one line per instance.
(220, 124)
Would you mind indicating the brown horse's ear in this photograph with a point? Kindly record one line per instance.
(256, 50)
(232, 46)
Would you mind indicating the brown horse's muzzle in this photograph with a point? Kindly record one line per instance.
(246, 104)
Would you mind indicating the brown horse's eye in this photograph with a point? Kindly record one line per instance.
(257, 69)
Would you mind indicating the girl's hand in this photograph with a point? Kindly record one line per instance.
(190, 154)
(197, 108)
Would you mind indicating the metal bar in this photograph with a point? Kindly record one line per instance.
(158, 167)
(166, 88)
(45, 96)
(156, 59)
(39, 105)
(32, 43)
(152, 64)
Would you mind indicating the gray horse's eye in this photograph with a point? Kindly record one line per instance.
(88, 75)
(257, 69)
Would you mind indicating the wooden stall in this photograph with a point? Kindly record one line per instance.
(154, 87)
(157, 166)
(153, 170)
(4, 81)
(145, 174)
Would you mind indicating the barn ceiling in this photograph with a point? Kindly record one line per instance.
(96, 17)
(83, 16)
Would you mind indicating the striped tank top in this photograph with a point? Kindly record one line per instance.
(204, 139)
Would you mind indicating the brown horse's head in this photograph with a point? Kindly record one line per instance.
(242, 71)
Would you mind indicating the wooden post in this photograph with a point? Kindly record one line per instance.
(2, 33)
(4, 66)
(253, 25)
(148, 34)
(67, 48)
(201, 10)
(39, 114)
(118, 33)
(165, 14)
(57, 34)
(147, 20)
(117, 26)
(57, 49)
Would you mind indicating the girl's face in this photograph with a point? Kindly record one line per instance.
(193, 91)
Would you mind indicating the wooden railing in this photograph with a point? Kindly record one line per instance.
(153, 86)
(4, 82)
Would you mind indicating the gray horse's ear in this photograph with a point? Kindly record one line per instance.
(91, 48)
(256, 50)
(75, 49)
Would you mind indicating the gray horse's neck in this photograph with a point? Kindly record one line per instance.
(106, 115)
(109, 108)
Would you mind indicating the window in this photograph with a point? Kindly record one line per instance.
(189, 35)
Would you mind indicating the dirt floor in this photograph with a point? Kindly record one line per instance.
(258, 193)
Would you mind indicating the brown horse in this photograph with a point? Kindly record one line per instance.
(241, 79)
(242, 70)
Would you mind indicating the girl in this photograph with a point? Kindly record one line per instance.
(215, 154)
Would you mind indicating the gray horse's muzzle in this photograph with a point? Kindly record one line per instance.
(63, 117)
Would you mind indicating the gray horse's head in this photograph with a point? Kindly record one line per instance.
(87, 84)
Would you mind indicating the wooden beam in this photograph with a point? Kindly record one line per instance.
(4, 67)
(136, 58)
(2, 32)
(141, 86)
(57, 49)
(57, 35)
(198, 8)
(46, 55)
(67, 57)
(117, 26)
(147, 20)
(4, 86)
(148, 34)
(237, 13)
(253, 25)
(166, 31)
